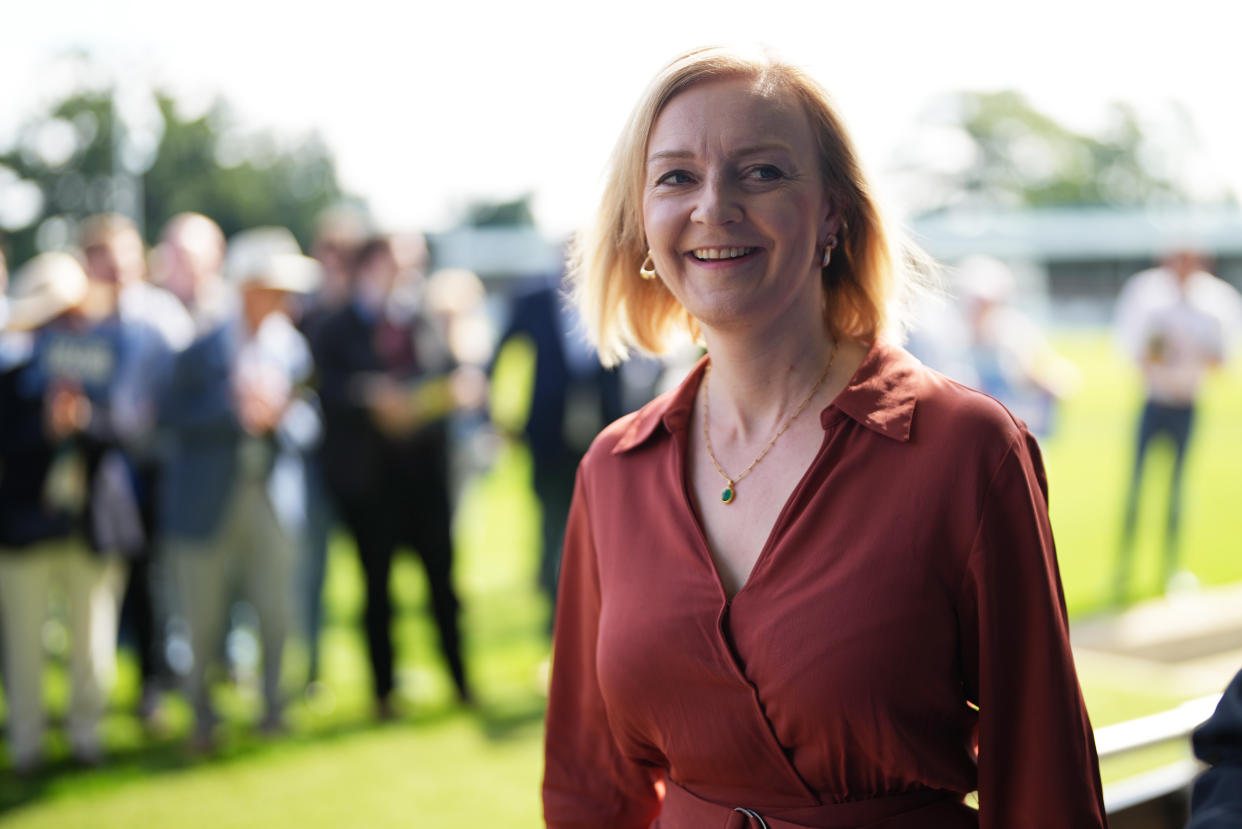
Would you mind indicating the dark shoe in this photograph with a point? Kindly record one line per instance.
(152, 714)
(28, 767)
(202, 742)
(89, 754)
(385, 709)
(273, 725)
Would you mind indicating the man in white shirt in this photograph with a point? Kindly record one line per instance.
(1176, 322)
(232, 507)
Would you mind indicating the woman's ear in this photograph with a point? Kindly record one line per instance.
(831, 225)
(833, 219)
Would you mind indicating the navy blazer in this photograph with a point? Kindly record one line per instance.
(537, 314)
(199, 419)
(1217, 802)
(26, 456)
(198, 415)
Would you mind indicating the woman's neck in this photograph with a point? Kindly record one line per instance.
(758, 380)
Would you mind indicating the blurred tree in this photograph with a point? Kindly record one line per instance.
(994, 149)
(514, 213)
(137, 154)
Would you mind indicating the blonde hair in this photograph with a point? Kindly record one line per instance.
(622, 311)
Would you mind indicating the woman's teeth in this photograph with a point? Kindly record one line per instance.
(721, 253)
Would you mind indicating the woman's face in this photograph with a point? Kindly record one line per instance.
(734, 206)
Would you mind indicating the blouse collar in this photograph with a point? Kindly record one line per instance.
(880, 396)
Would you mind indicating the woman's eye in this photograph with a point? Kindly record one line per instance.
(674, 177)
(766, 172)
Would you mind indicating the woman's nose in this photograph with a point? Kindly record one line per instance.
(717, 203)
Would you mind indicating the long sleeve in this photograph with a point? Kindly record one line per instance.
(192, 402)
(1036, 752)
(587, 781)
(134, 400)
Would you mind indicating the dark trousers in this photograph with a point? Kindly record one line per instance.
(553, 479)
(143, 608)
(1174, 423)
(380, 526)
(313, 561)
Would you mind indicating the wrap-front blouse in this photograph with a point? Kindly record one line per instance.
(900, 642)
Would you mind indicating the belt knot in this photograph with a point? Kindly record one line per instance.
(743, 818)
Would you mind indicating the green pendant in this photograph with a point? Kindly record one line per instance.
(727, 495)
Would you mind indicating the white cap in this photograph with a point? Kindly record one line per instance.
(984, 279)
(269, 257)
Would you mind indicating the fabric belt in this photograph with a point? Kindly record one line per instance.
(922, 809)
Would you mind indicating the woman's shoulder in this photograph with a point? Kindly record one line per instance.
(631, 444)
(971, 407)
(631, 431)
(951, 414)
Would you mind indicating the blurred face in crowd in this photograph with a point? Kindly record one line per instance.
(734, 206)
(191, 255)
(116, 258)
(334, 252)
(1183, 263)
(374, 278)
(259, 301)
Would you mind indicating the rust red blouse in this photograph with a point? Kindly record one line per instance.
(900, 642)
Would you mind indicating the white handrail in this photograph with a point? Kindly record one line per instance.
(1149, 786)
(1176, 723)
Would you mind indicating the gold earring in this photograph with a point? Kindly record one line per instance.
(647, 269)
(828, 247)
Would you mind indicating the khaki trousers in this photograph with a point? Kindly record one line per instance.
(251, 555)
(93, 586)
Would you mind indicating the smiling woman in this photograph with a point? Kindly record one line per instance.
(864, 294)
(733, 206)
(771, 619)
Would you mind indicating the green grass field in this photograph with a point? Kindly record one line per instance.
(444, 766)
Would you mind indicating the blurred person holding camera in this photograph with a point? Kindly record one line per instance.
(70, 508)
(388, 383)
(232, 491)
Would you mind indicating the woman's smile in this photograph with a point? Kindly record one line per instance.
(723, 257)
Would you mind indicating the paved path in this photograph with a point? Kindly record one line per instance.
(1182, 646)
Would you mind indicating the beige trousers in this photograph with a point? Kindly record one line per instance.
(93, 586)
(250, 554)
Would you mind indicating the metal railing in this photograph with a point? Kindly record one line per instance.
(1172, 779)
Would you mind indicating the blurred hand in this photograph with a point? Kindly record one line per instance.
(260, 405)
(393, 408)
(468, 386)
(68, 411)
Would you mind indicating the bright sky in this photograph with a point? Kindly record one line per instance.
(427, 105)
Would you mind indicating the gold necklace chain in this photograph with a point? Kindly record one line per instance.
(730, 490)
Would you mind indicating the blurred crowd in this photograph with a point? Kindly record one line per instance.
(183, 427)
(1174, 323)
